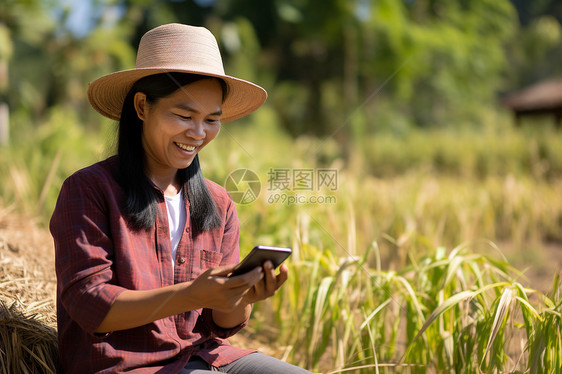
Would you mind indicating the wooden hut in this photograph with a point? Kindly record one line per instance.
(541, 98)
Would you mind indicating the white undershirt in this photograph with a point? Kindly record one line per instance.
(176, 220)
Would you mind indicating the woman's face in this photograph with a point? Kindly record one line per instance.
(177, 127)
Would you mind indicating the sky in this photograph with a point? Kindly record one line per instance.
(83, 13)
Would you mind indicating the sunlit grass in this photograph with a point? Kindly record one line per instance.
(451, 310)
(38, 159)
(377, 283)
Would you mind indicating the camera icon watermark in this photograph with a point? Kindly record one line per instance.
(243, 185)
(287, 186)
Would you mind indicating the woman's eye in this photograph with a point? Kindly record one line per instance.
(185, 118)
(213, 121)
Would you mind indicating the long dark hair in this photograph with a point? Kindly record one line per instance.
(141, 197)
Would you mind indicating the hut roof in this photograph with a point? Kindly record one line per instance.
(544, 95)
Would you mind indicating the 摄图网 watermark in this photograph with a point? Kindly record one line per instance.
(288, 186)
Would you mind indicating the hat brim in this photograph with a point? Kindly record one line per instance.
(107, 94)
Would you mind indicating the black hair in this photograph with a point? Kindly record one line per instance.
(141, 198)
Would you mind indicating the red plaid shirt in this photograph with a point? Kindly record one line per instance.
(98, 257)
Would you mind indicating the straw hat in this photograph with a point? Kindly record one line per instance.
(176, 48)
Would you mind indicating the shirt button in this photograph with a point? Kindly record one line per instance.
(181, 260)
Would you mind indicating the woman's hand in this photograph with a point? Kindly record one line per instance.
(231, 299)
(268, 285)
(214, 290)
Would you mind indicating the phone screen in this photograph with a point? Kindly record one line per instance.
(259, 255)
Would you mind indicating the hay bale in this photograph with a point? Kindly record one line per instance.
(26, 344)
(27, 267)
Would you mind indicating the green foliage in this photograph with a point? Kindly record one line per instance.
(532, 51)
(40, 158)
(458, 311)
(496, 152)
(323, 62)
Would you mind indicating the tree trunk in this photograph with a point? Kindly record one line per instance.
(4, 109)
(4, 124)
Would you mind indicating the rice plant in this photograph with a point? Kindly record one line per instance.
(452, 311)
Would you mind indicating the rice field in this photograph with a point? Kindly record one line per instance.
(420, 259)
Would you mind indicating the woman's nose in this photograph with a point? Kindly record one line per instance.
(196, 130)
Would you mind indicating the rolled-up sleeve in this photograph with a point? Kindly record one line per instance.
(216, 330)
(84, 253)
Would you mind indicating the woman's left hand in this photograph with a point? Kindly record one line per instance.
(268, 285)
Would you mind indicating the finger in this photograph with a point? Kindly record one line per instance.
(258, 290)
(247, 279)
(283, 275)
(270, 278)
(221, 270)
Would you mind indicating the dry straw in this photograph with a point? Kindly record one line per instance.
(28, 339)
(26, 344)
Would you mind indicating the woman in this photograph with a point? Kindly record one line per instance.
(143, 242)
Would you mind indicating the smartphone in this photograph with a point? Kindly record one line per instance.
(259, 255)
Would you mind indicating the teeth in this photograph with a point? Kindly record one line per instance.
(186, 147)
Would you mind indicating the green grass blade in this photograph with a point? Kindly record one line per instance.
(374, 313)
(499, 320)
(446, 305)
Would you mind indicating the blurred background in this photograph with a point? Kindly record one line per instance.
(440, 119)
(412, 93)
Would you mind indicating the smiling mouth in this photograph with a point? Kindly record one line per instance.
(186, 147)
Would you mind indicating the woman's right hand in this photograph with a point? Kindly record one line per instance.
(213, 289)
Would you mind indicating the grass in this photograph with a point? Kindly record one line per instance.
(377, 282)
(38, 159)
(451, 310)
